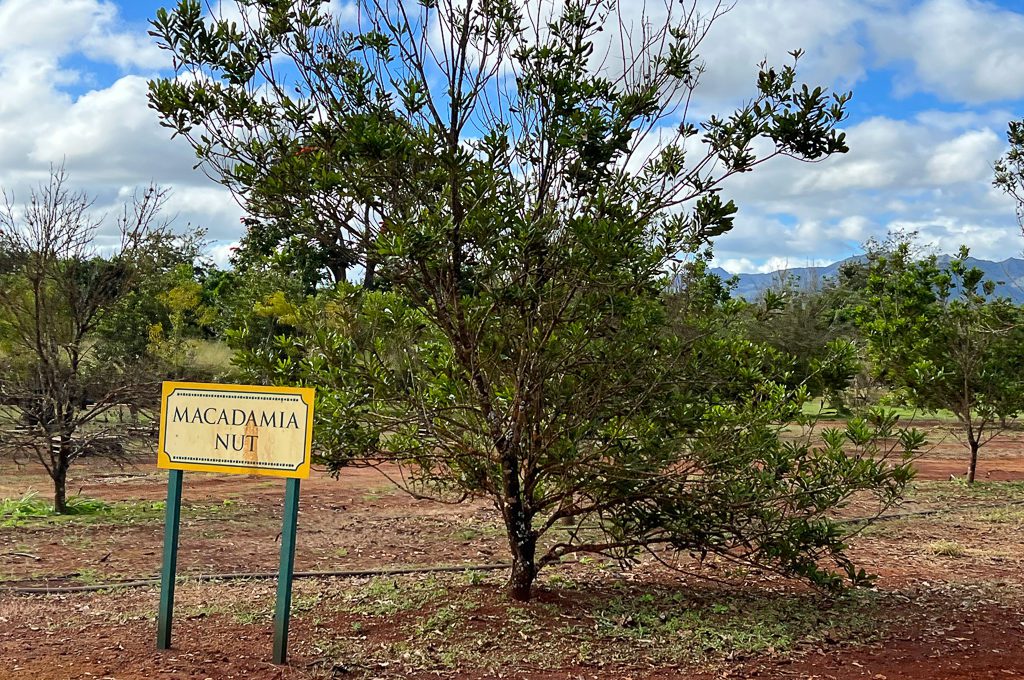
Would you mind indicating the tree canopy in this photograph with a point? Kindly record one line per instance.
(521, 186)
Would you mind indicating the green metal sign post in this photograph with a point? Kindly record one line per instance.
(170, 563)
(284, 576)
(168, 572)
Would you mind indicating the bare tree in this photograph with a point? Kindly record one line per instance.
(57, 374)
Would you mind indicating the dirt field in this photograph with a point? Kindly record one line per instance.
(949, 601)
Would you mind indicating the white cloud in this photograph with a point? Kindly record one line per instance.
(344, 11)
(897, 157)
(757, 30)
(126, 50)
(48, 26)
(222, 252)
(737, 265)
(744, 265)
(215, 207)
(107, 137)
(966, 158)
(932, 173)
(56, 28)
(947, 234)
(960, 50)
(112, 135)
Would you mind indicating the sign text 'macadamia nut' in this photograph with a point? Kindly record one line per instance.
(236, 428)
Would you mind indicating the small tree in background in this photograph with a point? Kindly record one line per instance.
(525, 182)
(939, 338)
(64, 367)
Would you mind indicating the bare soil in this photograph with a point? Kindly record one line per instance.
(949, 601)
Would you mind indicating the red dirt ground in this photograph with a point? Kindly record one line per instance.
(948, 615)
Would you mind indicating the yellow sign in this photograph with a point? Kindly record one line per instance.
(243, 429)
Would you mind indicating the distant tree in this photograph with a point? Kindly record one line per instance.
(939, 337)
(1009, 170)
(526, 189)
(168, 306)
(60, 371)
(805, 321)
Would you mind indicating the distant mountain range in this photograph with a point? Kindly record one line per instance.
(1009, 275)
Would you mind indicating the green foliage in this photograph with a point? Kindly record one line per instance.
(1009, 170)
(164, 309)
(681, 475)
(315, 156)
(809, 325)
(532, 335)
(14, 510)
(83, 333)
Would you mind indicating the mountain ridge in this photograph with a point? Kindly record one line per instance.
(1008, 275)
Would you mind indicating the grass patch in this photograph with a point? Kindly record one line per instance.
(910, 415)
(673, 624)
(31, 510)
(384, 596)
(946, 549)
(890, 527)
(246, 613)
(442, 620)
(440, 625)
(15, 510)
(213, 356)
(443, 623)
(1006, 515)
(18, 511)
(959, 490)
(90, 576)
(474, 532)
(815, 407)
(377, 493)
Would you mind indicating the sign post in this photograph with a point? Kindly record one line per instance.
(170, 561)
(284, 579)
(241, 429)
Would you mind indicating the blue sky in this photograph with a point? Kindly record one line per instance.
(934, 82)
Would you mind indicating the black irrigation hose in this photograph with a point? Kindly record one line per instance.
(398, 571)
(239, 576)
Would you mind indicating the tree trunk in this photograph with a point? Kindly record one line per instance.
(524, 566)
(370, 275)
(522, 543)
(60, 482)
(60, 456)
(973, 468)
(338, 270)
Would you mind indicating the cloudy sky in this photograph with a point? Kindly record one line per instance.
(935, 83)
